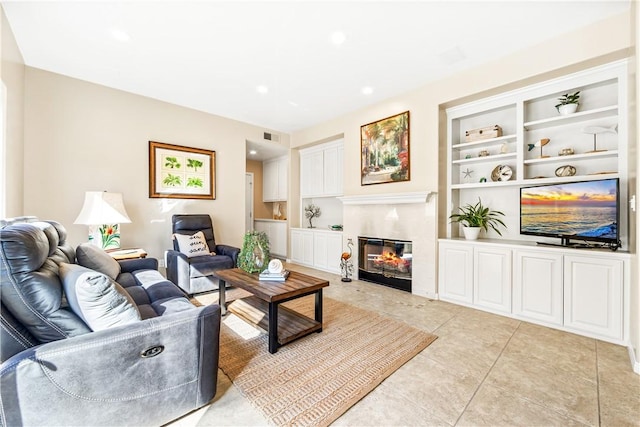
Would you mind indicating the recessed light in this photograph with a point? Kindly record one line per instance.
(367, 90)
(262, 89)
(120, 35)
(253, 152)
(338, 37)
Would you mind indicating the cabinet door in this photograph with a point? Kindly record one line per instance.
(311, 174)
(330, 171)
(269, 180)
(455, 278)
(320, 254)
(334, 251)
(302, 247)
(593, 295)
(492, 278)
(283, 179)
(261, 226)
(278, 238)
(537, 286)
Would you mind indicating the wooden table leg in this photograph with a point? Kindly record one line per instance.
(273, 327)
(222, 290)
(319, 308)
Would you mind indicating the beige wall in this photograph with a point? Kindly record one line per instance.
(260, 208)
(12, 73)
(81, 137)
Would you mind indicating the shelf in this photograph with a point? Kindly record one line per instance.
(581, 116)
(487, 184)
(533, 181)
(573, 157)
(482, 142)
(491, 158)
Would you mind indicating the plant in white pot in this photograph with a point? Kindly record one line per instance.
(568, 103)
(475, 218)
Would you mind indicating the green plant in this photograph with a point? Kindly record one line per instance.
(171, 162)
(195, 182)
(194, 164)
(479, 216)
(254, 256)
(568, 99)
(172, 180)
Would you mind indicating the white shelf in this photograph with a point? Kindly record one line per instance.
(573, 157)
(580, 116)
(490, 158)
(483, 142)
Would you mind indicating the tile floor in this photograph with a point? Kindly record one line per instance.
(483, 369)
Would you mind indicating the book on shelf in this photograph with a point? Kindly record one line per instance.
(274, 277)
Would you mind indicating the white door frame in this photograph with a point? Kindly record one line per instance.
(248, 181)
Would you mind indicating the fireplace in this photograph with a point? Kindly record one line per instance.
(387, 262)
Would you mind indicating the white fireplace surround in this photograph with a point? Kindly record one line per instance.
(403, 216)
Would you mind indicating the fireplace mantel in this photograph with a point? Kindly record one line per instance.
(388, 199)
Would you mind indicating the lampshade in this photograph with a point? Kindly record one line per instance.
(101, 207)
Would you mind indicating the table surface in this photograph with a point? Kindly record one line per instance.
(272, 291)
(132, 253)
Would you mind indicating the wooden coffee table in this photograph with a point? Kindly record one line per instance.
(262, 310)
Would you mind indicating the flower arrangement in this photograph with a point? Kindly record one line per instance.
(311, 211)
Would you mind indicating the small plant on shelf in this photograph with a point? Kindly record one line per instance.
(570, 100)
(311, 211)
(479, 217)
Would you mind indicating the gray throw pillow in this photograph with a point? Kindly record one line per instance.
(95, 258)
(96, 298)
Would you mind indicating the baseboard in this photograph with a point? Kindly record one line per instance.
(635, 363)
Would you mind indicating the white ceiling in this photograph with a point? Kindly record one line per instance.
(211, 55)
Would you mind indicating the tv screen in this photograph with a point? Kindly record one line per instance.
(583, 211)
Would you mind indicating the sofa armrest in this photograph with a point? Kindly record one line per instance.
(131, 265)
(229, 251)
(178, 270)
(166, 365)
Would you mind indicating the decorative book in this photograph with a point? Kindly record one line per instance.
(274, 277)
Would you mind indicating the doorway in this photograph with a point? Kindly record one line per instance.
(248, 201)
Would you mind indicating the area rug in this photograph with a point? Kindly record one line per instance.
(314, 380)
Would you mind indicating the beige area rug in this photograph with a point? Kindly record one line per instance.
(314, 380)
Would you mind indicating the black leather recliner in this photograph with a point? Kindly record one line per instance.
(195, 275)
(56, 371)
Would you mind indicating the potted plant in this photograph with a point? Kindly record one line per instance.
(568, 103)
(475, 218)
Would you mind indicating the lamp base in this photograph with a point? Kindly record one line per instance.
(105, 236)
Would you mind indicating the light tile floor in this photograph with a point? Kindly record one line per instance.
(483, 370)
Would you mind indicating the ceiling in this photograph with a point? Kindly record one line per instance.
(213, 55)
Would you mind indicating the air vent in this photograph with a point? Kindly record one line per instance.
(271, 137)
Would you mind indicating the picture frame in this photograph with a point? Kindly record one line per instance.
(384, 150)
(178, 172)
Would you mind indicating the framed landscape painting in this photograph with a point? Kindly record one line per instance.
(178, 172)
(384, 148)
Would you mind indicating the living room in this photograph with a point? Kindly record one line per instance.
(66, 136)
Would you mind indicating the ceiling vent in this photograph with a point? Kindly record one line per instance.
(271, 137)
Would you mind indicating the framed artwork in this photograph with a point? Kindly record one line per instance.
(384, 146)
(178, 172)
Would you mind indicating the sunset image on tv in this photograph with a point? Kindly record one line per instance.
(581, 209)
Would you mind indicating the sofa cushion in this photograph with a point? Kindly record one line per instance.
(95, 258)
(96, 298)
(193, 245)
(206, 265)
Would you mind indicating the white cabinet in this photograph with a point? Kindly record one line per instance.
(537, 286)
(576, 290)
(593, 295)
(316, 248)
(321, 170)
(276, 231)
(492, 278)
(455, 280)
(274, 180)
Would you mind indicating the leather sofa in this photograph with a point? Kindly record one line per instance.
(57, 370)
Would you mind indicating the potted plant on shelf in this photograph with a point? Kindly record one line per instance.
(568, 103)
(475, 218)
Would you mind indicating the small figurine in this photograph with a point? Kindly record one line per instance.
(345, 263)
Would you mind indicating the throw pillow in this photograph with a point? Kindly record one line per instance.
(96, 298)
(194, 245)
(95, 258)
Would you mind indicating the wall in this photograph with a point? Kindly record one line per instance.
(260, 208)
(597, 44)
(81, 137)
(12, 71)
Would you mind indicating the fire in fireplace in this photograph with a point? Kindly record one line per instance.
(385, 261)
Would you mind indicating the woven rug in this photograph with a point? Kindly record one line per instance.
(314, 380)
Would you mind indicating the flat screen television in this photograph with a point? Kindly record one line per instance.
(579, 213)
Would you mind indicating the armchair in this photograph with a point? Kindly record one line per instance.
(56, 370)
(195, 274)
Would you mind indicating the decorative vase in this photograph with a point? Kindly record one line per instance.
(471, 233)
(254, 256)
(567, 109)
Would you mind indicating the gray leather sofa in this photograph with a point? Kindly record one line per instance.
(56, 370)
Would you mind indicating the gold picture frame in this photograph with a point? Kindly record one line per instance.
(384, 150)
(178, 172)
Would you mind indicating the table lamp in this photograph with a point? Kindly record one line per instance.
(103, 212)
